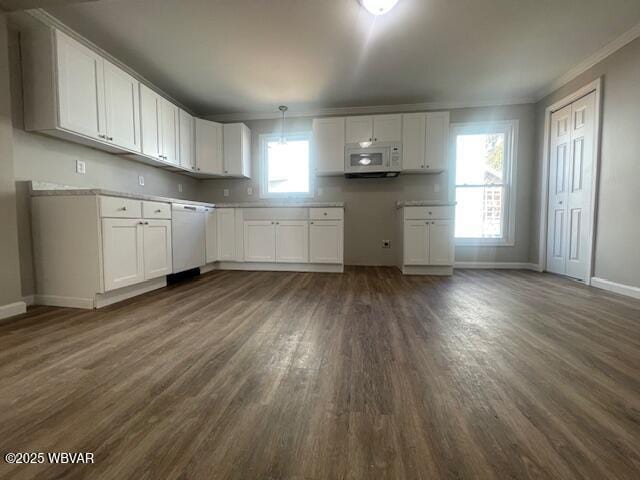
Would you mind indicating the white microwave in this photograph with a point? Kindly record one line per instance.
(375, 161)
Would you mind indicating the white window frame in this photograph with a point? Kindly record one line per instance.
(264, 174)
(510, 129)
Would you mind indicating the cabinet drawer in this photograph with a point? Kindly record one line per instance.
(156, 210)
(427, 213)
(116, 207)
(326, 213)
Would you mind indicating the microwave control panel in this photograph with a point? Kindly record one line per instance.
(396, 156)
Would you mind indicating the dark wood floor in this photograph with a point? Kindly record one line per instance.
(323, 376)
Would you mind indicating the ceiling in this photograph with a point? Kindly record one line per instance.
(234, 56)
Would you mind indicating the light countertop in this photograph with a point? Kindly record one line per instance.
(424, 203)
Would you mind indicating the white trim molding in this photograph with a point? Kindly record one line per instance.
(12, 309)
(499, 265)
(609, 49)
(620, 288)
(595, 86)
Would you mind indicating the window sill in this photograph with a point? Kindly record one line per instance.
(484, 242)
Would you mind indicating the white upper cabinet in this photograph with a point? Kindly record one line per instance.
(425, 142)
(80, 76)
(359, 129)
(209, 147)
(169, 121)
(237, 150)
(414, 141)
(436, 157)
(187, 141)
(387, 128)
(150, 122)
(328, 145)
(122, 103)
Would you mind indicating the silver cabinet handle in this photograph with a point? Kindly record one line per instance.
(124, 209)
(428, 166)
(101, 135)
(110, 139)
(311, 223)
(146, 223)
(140, 223)
(560, 202)
(430, 213)
(325, 214)
(158, 211)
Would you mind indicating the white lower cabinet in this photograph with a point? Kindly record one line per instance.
(416, 242)
(260, 241)
(211, 236)
(292, 241)
(157, 248)
(326, 241)
(122, 250)
(441, 245)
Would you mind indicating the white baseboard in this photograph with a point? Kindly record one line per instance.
(277, 267)
(115, 296)
(427, 270)
(60, 301)
(499, 265)
(12, 309)
(620, 288)
(29, 300)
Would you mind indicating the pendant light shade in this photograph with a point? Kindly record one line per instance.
(283, 109)
(378, 7)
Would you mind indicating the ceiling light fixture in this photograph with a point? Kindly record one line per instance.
(283, 109)
(378, 7)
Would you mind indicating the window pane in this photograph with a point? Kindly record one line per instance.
(288, 166)
(479, 212)
(479, 159)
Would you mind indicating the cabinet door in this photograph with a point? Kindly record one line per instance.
(441, 247)
(436, 157)
(122, 101)
(326, 242)
(416, 242)
(169, 126)
(387, 128)
(157, 248)
(259, 241)
(211, 236)
(80, 74)
(209, 153)
(359, 129)
(150, 122)
(187, 140)
(237, 150)
(226, 234)
(414, 137)
(292, 241)
(122, 252)
(328, 145)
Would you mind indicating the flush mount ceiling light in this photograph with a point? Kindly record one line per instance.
(378, 7)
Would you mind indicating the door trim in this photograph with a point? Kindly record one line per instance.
(595, 86)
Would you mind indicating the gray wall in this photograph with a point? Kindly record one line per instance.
(43, 158)
(9, 266)
(617, 250)
(370, 216)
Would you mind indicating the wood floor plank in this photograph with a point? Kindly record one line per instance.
(363, 375)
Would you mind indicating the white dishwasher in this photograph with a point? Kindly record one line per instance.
(188, 236)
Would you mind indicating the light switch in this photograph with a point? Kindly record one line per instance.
(81, 167)
(249, 190)
(141, 180)
(225, 192)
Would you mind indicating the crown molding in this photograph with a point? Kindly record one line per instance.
(340, 111)
(609, 49)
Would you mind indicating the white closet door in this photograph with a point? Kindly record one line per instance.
(579, 186)
(560, 153)
(122, 107)
(571, 159)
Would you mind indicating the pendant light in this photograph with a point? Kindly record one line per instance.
(283, 139)
(378, 7)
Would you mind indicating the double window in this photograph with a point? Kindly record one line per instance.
(484, 182)
(285, 166)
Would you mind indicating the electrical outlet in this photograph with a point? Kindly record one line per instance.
(249, 190)
(179, 188)
(386, 243)
(141, 180)
(81, 167)
(225, 192)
